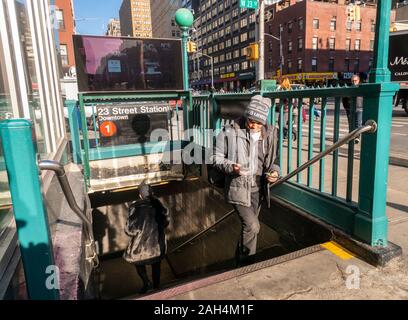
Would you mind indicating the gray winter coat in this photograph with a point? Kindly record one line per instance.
(146, 227)
(233, 147)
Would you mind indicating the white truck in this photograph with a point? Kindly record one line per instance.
(398, 57)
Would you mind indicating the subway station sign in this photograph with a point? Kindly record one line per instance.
(131, 123)
(249, 4)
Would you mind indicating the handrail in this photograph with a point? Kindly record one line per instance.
(66, 188)
(369, 127)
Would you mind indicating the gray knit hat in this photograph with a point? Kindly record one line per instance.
(258, 109)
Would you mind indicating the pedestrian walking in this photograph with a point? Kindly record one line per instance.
(247, 153)
(358, 116)
(146, 225)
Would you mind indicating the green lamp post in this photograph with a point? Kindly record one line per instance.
(184, 19)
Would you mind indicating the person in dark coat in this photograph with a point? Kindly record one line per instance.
(247, 152)
(359, 108)
(146, 225)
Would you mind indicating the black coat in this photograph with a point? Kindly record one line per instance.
(146, 227)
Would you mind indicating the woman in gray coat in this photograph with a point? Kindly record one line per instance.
(146, 225)
(248, 153)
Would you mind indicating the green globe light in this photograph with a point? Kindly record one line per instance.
(184, 18)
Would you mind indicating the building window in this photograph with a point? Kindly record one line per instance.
(333, 24)
(244, 65)
(301, 24)
(347, 65)
(356, 65)
(290, 46)
(300, 65)
(372, 26)
(349, 25)
(315, 23)
(357, 45)
(331, 65)
(64, 54)
(372, 43)
(332, 43)
(348, 44)
(290, 27)
(244, 22)
(244, 37)
(289, 66)
(314, 64)
(315, 41)
(236, 67)
(300, 44)
(358, 25)
(60, 18)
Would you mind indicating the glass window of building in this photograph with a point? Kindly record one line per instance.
(372, 26)
(301, 24)
(356, 65)
(315, 41)
(244, 22)
(244, 37)
(332, 43)
(349, 25)
(64, 52)
(236, 54)
(331, 64)
(300, 44)
(235, 40)
(252, 34)
(244, 65)
(314, 64)
(315, 23)
(372, 42)
(358, 25)
(290, 46)
(347, 65)
(252, 18)
(333, 24)
(290, 26)
(59, 15)
(300, 65)
(289, 66)
(236, 67)
(348, 44)
(357, 45)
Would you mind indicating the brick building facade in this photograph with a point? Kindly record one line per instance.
(317, 38)
(65, 19)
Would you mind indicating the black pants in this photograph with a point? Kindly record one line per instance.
(142, 272)
(250, 226)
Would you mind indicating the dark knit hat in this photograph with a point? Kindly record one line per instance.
(258, 109)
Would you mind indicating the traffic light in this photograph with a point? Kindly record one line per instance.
(357, 13)
(191, 47)
(253, 52)
(351, 14)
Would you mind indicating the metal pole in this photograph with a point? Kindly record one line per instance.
(184, 40)
(261, 62)
(281, 50)
(29, 211)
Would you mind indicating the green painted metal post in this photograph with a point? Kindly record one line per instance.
(74, 130)
(371, 223)
(29, 210)
(184, 18)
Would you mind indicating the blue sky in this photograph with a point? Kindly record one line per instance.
(98, 13)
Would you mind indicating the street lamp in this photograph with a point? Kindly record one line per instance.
(184, 18)
(281, 47)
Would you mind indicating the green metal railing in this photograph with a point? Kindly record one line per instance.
(339, 209)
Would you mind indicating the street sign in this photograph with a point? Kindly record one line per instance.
(249, 4)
